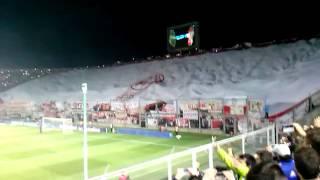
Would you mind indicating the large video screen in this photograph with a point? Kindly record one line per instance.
(183, 37)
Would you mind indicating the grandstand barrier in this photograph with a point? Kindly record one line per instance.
(302, 107)
(208, 149)
(144, 132)
(315, 99)
(302, 112)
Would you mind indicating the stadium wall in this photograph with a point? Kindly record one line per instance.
(144, 132)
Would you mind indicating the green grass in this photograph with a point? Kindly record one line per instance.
(27, 154)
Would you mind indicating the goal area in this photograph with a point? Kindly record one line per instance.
(50, 123)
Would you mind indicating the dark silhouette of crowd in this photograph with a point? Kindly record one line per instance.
(295, 157)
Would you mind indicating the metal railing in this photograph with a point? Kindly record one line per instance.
(168, 159)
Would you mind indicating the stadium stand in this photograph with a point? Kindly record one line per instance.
(282, 165)
(10, 78)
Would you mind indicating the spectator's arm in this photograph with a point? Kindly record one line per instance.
(232, 163)
(316, 122)
(223, 155)
(241, 169)
(230, 152)
(299, 129)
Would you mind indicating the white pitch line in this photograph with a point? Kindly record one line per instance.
(152, 143)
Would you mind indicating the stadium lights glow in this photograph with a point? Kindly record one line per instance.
(84, 88)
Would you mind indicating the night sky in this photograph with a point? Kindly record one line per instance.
(91, 32)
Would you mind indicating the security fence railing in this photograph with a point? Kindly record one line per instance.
(164, 167)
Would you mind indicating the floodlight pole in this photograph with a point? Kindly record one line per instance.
(85, 132)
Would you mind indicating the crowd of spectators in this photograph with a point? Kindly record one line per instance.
(10, 78)
(295, 157)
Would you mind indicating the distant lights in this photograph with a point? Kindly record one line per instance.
(11, 77)
(25, 73)
(216, 50)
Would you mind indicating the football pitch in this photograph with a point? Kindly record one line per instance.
(27, 154)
